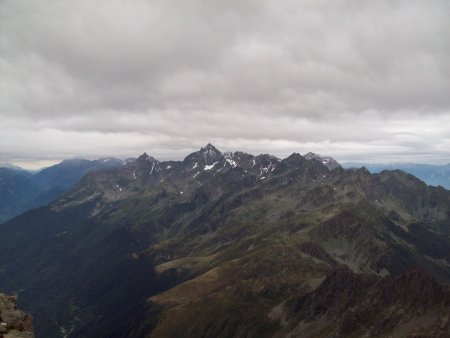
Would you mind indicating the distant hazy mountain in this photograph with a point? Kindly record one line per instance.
(69, 172)
(16, 190)
(21, 190)
(12, 167)
(231, 245)
(430, 174)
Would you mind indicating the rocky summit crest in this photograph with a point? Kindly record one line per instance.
(206, 155)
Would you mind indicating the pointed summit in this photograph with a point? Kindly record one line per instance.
(206, 155)
(148, 164)
(146, 160)
(294, 159)
(145, 157)
(210, 149)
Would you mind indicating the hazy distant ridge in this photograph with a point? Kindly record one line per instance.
(430, 174)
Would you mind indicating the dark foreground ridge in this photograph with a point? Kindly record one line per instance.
(234, 245)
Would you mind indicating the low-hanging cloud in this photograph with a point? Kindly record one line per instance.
(357, 80)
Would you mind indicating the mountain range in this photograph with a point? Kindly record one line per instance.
(431, 174)
(21, 190)
(234, 245)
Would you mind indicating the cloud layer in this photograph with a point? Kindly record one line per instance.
(358, 80)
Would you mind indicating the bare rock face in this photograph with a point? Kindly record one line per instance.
(14, 323)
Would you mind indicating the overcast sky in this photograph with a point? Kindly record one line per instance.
(357, 80)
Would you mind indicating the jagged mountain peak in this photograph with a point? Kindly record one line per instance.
(210, 147)
(210, 152)
(146, 157)
(206, 155)
(294, 158)
(329, 162)
(295, 155)
(148, 164)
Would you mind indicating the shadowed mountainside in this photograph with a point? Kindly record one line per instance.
(21, 190)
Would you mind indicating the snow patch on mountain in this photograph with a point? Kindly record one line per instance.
(209, 167)
(232, 162)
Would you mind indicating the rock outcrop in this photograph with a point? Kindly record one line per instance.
(14, 323)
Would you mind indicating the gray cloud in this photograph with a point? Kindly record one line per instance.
(356, 80)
